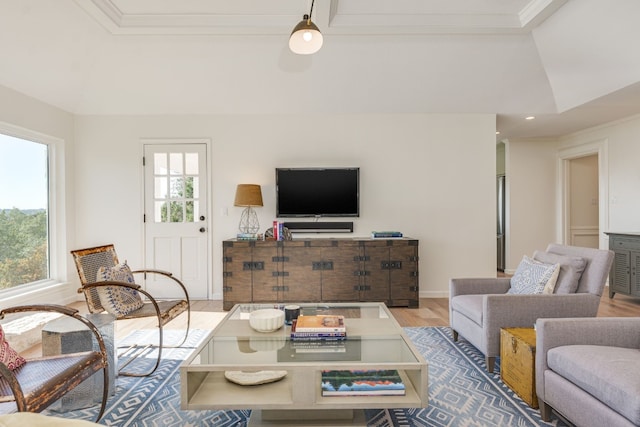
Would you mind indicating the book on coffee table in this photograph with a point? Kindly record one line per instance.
(362, 383)
(324, 323)
(319, 327)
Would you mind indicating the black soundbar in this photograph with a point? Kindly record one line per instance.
(319, 227)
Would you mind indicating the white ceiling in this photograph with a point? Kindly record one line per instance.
(570, 63)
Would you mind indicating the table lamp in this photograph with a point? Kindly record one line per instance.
(248, 195)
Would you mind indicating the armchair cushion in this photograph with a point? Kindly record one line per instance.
(532, 277)
(608, 373)
(8, 356)
(571, 268)
(470, 306)
(118, 300)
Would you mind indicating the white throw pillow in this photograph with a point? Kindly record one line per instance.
(550, 286)
(532, 277)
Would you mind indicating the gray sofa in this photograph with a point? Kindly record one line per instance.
(588, 370)
(480, 307)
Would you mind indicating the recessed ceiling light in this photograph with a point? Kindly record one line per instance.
(530, 118)
(497, 132)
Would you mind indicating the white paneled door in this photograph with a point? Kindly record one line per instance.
(176, 219)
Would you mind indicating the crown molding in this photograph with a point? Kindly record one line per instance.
(328, 16)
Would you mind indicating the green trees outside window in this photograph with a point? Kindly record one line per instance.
(24, 215)
(23, 247)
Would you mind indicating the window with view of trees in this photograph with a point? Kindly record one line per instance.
(24, 211)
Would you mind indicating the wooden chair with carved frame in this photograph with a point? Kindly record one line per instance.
(88, 263)
(41, 381)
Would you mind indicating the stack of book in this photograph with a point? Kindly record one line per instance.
(386, 234)
(320, 327)
(319, 346)
(278, 230)
(362, 383)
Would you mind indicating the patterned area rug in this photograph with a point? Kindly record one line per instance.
(154, 401)
(461, 393)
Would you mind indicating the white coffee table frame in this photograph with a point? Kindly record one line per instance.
(379, 343)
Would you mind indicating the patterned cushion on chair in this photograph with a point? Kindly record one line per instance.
(531, 277)
(118, 300)
(8, 356)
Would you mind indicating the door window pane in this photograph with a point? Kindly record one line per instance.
(160, 187)
(177, 209)
(160, 163)
(196, 188)
(177, 187)
(175, 163)
(191, 163)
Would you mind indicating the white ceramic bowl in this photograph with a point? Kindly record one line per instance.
(266, 320)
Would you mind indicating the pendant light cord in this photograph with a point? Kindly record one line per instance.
(310, 12)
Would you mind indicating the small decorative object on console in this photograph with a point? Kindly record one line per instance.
(385, 234)
(250, 236)
(272, 234)
(266, 320)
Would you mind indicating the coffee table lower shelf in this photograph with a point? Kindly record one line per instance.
(213, 391)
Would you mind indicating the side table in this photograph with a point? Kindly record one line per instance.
(518, 361)
(66, 335)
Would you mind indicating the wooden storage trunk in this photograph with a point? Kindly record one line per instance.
(517, 362)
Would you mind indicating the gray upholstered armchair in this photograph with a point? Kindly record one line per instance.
(479, 308)
(588, 370)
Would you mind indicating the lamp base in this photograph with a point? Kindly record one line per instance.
(249, 221)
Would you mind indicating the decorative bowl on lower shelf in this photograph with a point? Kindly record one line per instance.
(266, 320)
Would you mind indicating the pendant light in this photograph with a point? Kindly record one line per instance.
(305, 38)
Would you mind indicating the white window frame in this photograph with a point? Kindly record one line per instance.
(28, 292)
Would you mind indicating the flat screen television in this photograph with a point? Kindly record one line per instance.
(317, 192)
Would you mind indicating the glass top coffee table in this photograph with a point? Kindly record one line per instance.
(375, 341)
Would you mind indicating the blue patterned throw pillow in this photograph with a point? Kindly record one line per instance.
(532, 276)
(118, 300)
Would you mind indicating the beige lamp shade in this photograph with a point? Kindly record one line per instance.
(248, 195)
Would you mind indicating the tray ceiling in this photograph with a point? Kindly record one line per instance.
(571, 63)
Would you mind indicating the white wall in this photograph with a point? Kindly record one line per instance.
(531, 198)
(431, 176)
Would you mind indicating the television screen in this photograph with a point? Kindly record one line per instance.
(317, 192)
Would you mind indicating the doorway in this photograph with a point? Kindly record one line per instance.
(176, 223)
(583, 226)
(584, 184)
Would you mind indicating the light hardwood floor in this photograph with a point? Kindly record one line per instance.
(432, 312)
